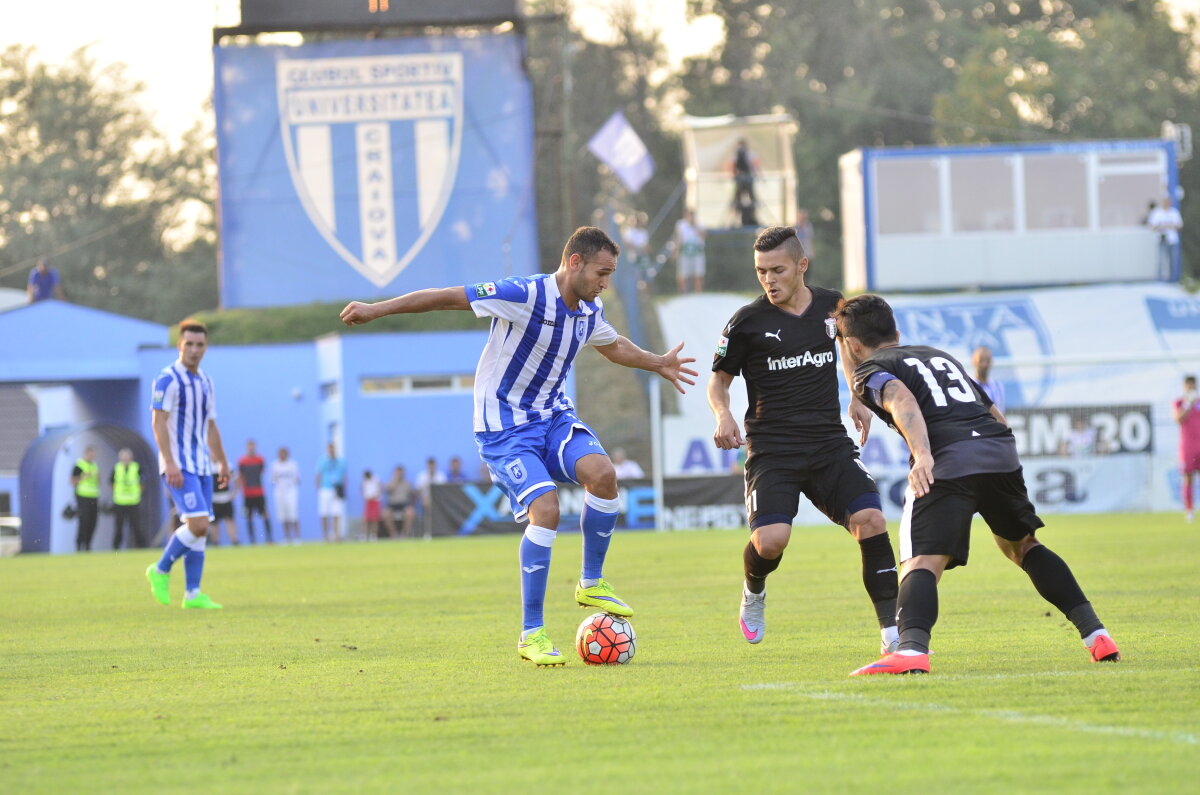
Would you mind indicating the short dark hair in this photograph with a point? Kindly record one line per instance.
(774, 237)
(587, 241)
(191, 324)
(1189, 379)
(868, 318)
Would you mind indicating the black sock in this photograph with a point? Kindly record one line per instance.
(879, 577)
(757, 568)
(917, 610)
(1054, 581)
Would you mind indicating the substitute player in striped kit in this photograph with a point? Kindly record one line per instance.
(184, 409)
(526, 427)
(964, 460)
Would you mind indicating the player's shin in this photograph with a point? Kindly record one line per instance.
(177, 545)
(917, 610)
(535, 570)
(879, 578)
(596, 523)
(757, 568)
(1053, 579)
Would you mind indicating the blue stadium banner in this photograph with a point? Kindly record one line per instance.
(367, 168)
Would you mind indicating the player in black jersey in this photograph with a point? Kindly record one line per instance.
(964, 460)
(783, 344)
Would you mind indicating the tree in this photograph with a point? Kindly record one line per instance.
(86, 181)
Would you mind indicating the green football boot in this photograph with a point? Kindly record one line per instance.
(160, 584)
(200, 601)
(537, 649)
(601, 595)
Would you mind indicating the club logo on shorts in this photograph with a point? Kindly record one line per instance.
(189, 501)
(515, 470)
(580, 329)
(831, 327)
(485, 289)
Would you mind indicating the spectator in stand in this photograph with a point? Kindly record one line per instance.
(1187, 414)
(44, 282)
(430, 477)
(127, 482)
(636, 241)
(400, 504)
(254, 498)
(689, 253)
(626, 468)
(285, 480)
(455, 474)
(982, 359)
(85, 477)
(372, 494)
(1166, 221)
(331, 493)
(804, 233)
(222, 505)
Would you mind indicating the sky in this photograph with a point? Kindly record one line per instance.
(167, 44)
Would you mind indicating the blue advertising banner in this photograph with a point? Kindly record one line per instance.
(368, 168)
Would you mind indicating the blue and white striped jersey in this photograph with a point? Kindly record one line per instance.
(533, 341)
(190, 402)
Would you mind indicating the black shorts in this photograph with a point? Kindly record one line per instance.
(222, 510)
(832, 477)
(940, 522)
(397, 509)
(256, 504)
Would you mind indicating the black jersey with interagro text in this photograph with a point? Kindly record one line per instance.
(964, 437)
(790, 366)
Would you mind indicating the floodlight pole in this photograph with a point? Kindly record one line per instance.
(656, 452)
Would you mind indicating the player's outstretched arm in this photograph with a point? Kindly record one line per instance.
(432, 300)
(727, 436)
(670, 365)
(906, 413)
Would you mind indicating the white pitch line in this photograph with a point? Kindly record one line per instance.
(1006, 715)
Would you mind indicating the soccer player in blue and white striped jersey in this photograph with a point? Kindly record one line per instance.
(526, 427)
(185, 427)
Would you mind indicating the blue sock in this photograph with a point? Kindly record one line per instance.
(193, 568)
(173, 551)
(535, 570)
(596, 523)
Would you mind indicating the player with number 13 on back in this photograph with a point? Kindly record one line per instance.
(964, 460)
(525, 426)
(783, 345)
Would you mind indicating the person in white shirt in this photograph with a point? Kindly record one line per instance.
(689, 248)
(285, 478)
(372, 496)
(636, 239)
(1166, 221)
(626, 467)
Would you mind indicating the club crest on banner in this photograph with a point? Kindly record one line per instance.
(372, 144)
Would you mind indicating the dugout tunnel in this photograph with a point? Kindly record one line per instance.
(45, 477)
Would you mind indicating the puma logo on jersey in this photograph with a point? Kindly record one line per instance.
(775, 335)
(792, 362)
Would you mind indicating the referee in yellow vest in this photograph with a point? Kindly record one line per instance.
(127, 499)
(85, 477)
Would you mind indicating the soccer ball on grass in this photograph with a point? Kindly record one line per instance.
(603, 639)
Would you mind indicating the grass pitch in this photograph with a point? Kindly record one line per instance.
(392, 667)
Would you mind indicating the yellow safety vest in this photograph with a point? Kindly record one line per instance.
(89, 481)
(127, 484)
